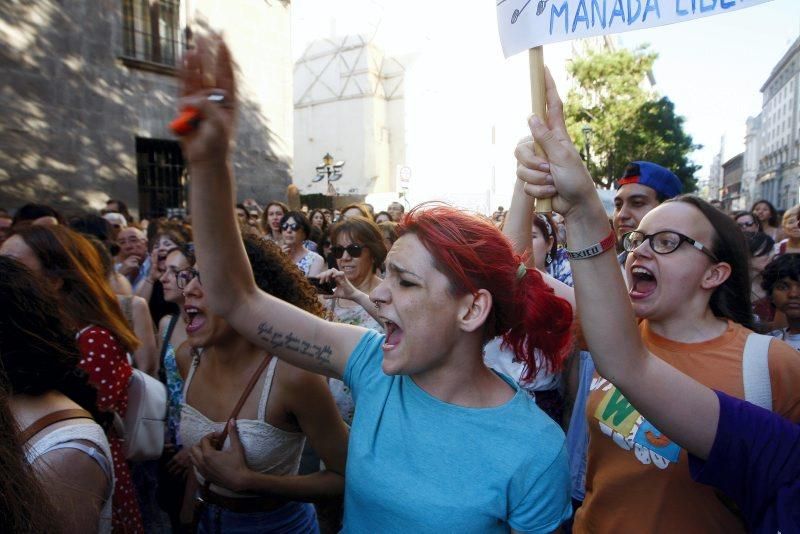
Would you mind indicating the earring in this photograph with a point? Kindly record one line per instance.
(548, 259)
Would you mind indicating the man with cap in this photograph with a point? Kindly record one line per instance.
(643, 186)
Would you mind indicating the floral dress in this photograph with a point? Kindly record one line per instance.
(358, 316)
(106, 363)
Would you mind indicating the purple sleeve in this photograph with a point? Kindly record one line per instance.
(754, 456)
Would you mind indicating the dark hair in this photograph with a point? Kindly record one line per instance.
(544, 222)
(93, 225)
(38, 352)
(31, 212)
(300, 218)
(324, 220)
(24, 505)
(773, 213)
(783, 266)
(85, 293)
(739, 214)
(759, 244)
(386, 213)
(187, 249)
(122, 209)
(474, 255)
(265, 218)
(275, 273)
(176, 231)
(364, 232)
(731, 300)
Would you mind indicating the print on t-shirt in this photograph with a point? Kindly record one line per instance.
(620, 421)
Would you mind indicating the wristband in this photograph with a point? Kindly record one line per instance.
(593, 250)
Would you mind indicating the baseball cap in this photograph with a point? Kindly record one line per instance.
(116, 219)
(656, 177)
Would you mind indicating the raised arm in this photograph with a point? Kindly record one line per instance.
(683, 409)
(288, 332)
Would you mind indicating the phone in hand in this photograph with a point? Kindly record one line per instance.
(323, 288)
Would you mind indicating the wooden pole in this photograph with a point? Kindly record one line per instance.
(539, 106)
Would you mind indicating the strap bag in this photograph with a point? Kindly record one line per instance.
(144, 425)
(51, 419)
(200, 503)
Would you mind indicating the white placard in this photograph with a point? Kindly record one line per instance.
(524, 24)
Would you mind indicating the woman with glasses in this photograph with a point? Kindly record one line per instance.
(689, 289)
(175, 462)
(359, 253)
(296, 229)
(748, 223)
(439, 442)
(254, 482)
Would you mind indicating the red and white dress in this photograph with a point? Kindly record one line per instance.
(106, 363)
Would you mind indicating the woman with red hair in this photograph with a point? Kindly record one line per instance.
(439, 441)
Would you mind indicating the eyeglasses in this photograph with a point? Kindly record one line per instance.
(293, 226)
(353, 250)
(663, 242)
(184, 276)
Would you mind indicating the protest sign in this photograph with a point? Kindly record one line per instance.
(525, 24)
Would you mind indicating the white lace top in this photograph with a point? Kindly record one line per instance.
(67, 437)
(267, 449)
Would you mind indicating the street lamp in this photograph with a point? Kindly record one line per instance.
(587, 142)
(329, 171)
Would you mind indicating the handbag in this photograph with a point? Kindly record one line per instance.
(144, 425)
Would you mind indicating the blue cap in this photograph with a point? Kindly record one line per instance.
(653, 176)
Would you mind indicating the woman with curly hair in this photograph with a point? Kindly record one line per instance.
(71, 268)
(39, 364)
(254, 480)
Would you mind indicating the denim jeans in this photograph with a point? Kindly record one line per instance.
(291, 518)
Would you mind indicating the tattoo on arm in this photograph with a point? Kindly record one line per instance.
(276, 340)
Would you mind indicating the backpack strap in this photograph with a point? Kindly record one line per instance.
(755, 371)
(162, 374)
(51, 419)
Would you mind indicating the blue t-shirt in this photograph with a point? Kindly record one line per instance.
(418, 464)
(755, 460)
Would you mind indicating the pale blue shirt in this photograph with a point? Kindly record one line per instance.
(418, 464)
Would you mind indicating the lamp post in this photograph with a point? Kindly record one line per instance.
(587, 142)
(329, 171)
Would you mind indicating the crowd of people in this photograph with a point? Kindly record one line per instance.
(403, 371)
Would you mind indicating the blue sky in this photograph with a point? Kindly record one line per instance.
(713, 68)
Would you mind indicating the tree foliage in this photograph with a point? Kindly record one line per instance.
(628, 122)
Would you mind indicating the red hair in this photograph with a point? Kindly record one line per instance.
(475, 255)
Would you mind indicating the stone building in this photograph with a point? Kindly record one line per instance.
(732, 194)
(90, 87)
(779, 144)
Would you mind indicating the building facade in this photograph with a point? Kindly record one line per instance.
(90, 87)
(732, 191)
(778, 177)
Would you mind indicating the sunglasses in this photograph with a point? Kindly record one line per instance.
(353, 250)
(183, 277)
(290, 226)
(664, 242)
(746, 224)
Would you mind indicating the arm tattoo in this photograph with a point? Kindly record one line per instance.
(276, 340)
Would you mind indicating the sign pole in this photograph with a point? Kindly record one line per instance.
(539, 107)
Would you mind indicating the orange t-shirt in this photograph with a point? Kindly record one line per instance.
(637, 480)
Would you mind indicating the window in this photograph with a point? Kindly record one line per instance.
(151, 31)
(161, 177)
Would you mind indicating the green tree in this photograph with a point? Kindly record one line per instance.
(627, 121)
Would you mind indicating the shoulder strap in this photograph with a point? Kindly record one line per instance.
(167, 336)
(242, 399)
(755, 371)
(51, 419)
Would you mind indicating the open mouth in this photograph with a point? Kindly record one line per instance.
(195, 319)
(643, 283)
(394, 334)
